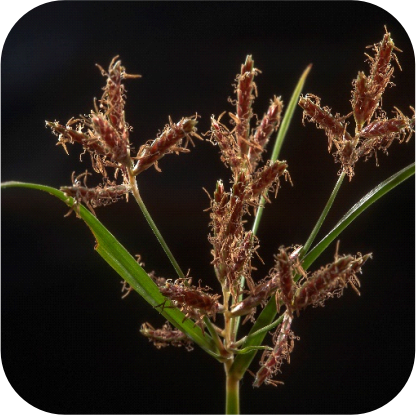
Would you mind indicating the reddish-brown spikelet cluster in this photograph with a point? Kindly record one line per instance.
(233, 246)
(373, 130)
(368, 91)
(166, 336)
(107, 134)
(241, 150)
(104, 134)
(327, 282)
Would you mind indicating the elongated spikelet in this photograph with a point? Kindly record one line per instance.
(265, 178)
(330, 281)
(169, 141)
(271, 361)
(333, 125)
(190, 299)
(245, 98)
(269, 123)
(166, 336)
(258, 296)
(93, 197)
(368, 91)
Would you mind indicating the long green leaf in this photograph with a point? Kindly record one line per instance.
(365, 202)
(281, 135)
(127, 267)
(243, 361)
(322, 218)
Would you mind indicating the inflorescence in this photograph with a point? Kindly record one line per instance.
(105, 136)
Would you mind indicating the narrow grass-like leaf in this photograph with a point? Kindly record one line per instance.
(243, 361)
(127, 267)
(321, 219)
(365, 202)
(293, 103)
(287, 118)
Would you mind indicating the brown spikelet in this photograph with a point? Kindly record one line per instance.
(169, 141)
(238, 261)
(245, 98)
(237, 206)
(333, 125)
(258, 296)
(66, 134)
(330, 281)
(269, 123)
(191, 299)
(399, 127)
(283, 271)
(266, 177)
(227, 143)
(218, 207)
(101, 195)
(116, 146)
(166, 336)
(271, 361)
(368, 91)
(112, 101)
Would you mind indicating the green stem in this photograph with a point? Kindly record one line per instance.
(250, 349)
(321, 219)
(256, 333)
(139, 200)
(232, 401)
(220, 347)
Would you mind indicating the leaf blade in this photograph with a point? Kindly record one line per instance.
(127, 267)
(365, 202)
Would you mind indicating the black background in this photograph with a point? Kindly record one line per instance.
(69, 343)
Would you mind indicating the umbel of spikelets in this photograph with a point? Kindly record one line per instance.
(104, 134)
(374, 131)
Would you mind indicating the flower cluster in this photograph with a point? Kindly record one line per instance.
(374, 131)
(105, 135)
(241, 150)
(295, 289)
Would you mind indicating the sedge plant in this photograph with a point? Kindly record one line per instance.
(197, 315)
